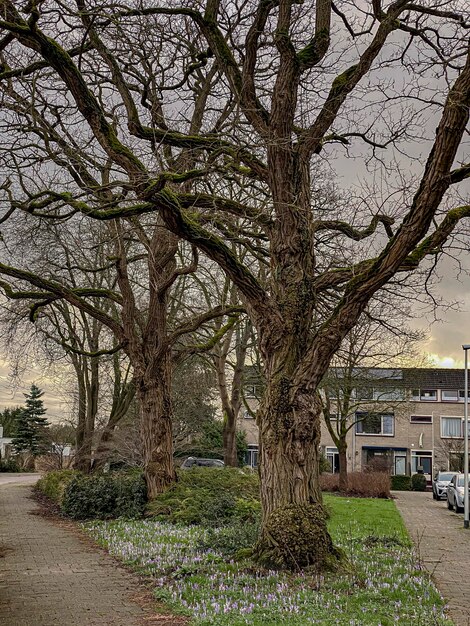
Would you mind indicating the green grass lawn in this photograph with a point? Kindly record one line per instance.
(384, 584)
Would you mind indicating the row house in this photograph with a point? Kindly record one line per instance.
(400, 419)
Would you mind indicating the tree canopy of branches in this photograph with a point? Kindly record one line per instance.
(118, 110)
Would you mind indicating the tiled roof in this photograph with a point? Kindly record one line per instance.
(414, 377)
(408, 378)
(434, 378)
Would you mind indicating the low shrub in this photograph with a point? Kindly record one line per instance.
(53, 484)
(418, 482)
(10, 465)
(105, 496)
(329, 482)
(401, 483)
(230, 539)
(360, 484)
(210, 497)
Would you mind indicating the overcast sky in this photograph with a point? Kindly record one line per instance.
(11, 393)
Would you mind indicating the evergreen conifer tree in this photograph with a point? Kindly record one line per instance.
(8, 419)
(31, 433)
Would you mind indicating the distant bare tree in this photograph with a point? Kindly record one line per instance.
(352, 387)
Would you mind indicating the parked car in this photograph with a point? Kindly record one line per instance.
(455, 492)
(440, 483)
(192, 461)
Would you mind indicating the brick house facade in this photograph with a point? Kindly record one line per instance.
(409, 418)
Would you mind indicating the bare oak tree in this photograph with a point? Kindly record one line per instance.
(276, 86)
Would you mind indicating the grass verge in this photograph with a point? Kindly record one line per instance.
(386, 584)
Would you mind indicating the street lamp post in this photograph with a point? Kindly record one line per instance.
(465, 347)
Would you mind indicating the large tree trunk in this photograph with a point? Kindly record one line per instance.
(154, 393)
(290, 437)
(294, 533)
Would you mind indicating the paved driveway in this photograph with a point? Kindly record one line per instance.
(443, 545)
(18, 479)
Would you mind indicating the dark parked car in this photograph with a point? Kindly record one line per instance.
(192, 461)
(440, 484)
(455, 492)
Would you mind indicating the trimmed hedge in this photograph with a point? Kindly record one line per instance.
(105, 496)
(210, 497)
(401, 483)
(96, 496)
(418, 482)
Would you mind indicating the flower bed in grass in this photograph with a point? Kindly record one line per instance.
(384, 585)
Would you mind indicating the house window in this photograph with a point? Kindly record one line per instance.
(421, 419)
(251, 456)
(421, 459)
(462, 394)
(400, 464)
(451, 427)
(374, 423)
(332, 456)
(427, 395)
(450, 395)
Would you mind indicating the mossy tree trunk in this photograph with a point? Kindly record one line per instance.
(154, 393)
(290, 437)
(289, 425)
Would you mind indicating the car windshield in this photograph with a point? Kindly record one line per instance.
(460, 481)
(445, 475)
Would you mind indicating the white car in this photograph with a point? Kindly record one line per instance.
(455, 493)
(440, 484)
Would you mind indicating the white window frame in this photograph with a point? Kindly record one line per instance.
(451, 417)
(253, 449)
(455, 398)
(418, 422)
(330, 453)
(424, 399)
(399, 454)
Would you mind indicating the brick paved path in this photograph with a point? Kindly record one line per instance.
(444, 547)
(49, 577)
